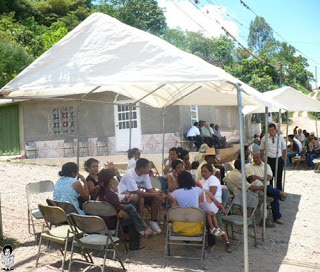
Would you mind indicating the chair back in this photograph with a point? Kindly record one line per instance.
(252, 200)
(154, 168)
(156, 184)
(99, 208)
(89, 224)
(39, 187)
(186, 214)
(53, 215)
(64, 205)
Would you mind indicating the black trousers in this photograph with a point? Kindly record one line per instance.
(272, 163)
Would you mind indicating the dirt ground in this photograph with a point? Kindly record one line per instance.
(294, 246)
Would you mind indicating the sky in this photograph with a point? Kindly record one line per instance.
(296, 21)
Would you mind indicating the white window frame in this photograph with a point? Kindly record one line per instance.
(194, 114)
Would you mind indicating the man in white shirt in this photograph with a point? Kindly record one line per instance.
(300, 136)
(273, 153)
(195, 136)
(137, 181)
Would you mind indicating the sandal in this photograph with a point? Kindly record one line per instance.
(148, 235)
(217, 232)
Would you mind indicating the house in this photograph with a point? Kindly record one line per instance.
(48, 128)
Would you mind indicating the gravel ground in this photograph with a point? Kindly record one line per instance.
(294, 246)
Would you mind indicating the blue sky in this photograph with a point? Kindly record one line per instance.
(296, 21)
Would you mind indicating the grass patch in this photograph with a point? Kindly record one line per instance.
(9, 241)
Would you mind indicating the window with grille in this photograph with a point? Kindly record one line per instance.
(61, 121)
(194, 114)
(124, 117)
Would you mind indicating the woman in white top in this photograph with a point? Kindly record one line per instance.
(212, 202)
(133, 156)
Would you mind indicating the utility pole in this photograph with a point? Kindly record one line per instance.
(280, 78)
(316, 76)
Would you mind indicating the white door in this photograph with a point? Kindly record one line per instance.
(122, 129)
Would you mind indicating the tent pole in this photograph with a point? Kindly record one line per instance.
(184, 96)
(149, 94)
(244, 182)
(265, 174)
(285, 164)
(277, 157)
(78, 149)
(163, 131)
(316, 119)
(130, 125)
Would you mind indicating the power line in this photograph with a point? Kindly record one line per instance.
(247, 7)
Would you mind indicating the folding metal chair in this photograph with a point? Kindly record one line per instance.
(101, 208)
(61, 234)
(64, 205)
(96, 236)
(237, 220)
(193, 219)
(33, 189)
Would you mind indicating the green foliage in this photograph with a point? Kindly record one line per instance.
(14, 58)
(260, 34)
(55, 32)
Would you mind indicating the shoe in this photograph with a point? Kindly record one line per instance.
(154, 225)
(279, 221)
(148, 234)
(228, 247)
(269, 199)
(217, 232)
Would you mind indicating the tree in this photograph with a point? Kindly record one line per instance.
(260, 33)
(14, 58)
(143, 14)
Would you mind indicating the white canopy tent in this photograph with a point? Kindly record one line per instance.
(102, 55)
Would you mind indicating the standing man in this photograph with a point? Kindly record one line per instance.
(273, 153)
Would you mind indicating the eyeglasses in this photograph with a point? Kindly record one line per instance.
(273, 140)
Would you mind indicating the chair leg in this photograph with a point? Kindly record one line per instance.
(116, 252)
(65, 253)
(255, 232)
(71, 254)
(38, 255)
(29, 221)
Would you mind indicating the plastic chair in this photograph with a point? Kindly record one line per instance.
(96, 236)
(301, 158)
(101, 208)
(154, 169)
(61, 234)
(64, 205)
(31, 150)
(185, 215)
(237, 220)
(45, 186)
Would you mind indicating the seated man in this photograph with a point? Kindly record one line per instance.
(301, 137)
(207, 136)
(137, 181)
(294, 149)
(255, 173)
(194, 135)
(210, 158)
(217, 131)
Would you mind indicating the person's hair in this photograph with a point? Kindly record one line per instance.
(255, 136)
(183, 153)
(87, 163)
(174, 149)
(208, 166)
(68, 169)
(185, 180)
(131, 152)
(175, 163)
(141, 163)
(272, 125)
(237, 164)
(104, 178)
(291, 136)
(7, 247)
(195, 165)
(212, 125)
(196, 124)
(307, 134)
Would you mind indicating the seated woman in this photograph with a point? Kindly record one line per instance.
(127, 213)
(184, 156)
(69, 188)
(133, 156)
(92, 167)
(177, 168)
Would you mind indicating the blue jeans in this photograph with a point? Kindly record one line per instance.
(275, 194)
(310, 157)
(290, 155)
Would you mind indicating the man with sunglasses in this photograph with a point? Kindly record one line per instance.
(273, 153)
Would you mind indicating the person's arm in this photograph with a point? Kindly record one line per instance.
(213, 190)
(90, 187)
(284, 154)
(82, 190)
(151, 193)
(167, 167)
(256, 188)
(172, 184)
(172, 201)
(216, 202)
